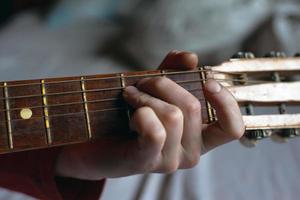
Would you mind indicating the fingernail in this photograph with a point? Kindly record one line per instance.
(130, 91)
(212, 86)
(175, 52)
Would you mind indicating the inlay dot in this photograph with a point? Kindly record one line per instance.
(26, 113)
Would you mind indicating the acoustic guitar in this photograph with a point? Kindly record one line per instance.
(59, 111)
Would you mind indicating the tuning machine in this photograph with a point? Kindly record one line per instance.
(241, 79)
(251, 137)
(275, 54)
(241, 55)
(282, 135)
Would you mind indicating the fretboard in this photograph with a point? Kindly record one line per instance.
(58, 111)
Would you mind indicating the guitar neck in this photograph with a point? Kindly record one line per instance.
(58, 111)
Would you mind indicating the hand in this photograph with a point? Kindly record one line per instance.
(167, 119)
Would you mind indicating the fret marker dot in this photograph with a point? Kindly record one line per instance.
(26, 113)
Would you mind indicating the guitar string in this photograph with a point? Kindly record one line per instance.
(110, 89)
(75, 113)
(121, 88)
(82, 102)
(86, 91)
(158, 73)
(79, 102)
(101, 110)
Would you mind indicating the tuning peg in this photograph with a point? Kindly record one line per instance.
(275, 54)
(282, 135)
(242, 54)
(297, 54)
(247, 143)
(251, 137)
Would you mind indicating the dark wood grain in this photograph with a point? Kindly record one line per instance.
(67, 122)
(108, 116)
(27, 133)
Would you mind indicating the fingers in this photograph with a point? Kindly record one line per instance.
(169, 116)
(230, 125)
(169, 91)
(178, 115)
(180, 60)
(152, 136)
(182, 132)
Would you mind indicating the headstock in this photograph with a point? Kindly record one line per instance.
(268, 92)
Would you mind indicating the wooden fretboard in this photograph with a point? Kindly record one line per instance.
(57, 111)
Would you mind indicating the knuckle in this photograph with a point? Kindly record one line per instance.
(142, 99)
(139, 113)
(193, 107)
(191, 161)
(174, 115)
(159, 82)
(171, 166)
(156, 135)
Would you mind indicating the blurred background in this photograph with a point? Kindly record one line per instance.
(49, 38)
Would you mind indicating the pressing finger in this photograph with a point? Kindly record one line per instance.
(167, 90)
(180, 60)
(170, 116)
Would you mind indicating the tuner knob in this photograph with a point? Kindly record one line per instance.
(275, 54)
(287, 133)
(251, 137)
(241, 54)
(297, 132)
(257, 134)
(247, 143)
(282, 135)
(297, 54)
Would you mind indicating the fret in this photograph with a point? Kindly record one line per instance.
(123, 84)
(46, 113)
(25, 114)
(65, 119)
(163, 72)
(133, 77)
(210, 111)
(4, 142)
(114, 121)
(8, 117)
(86, 109)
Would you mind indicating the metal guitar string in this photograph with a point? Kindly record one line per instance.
(125, 76)
(109, 89)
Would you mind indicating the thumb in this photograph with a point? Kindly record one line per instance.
(180, 60)
(230, 124)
